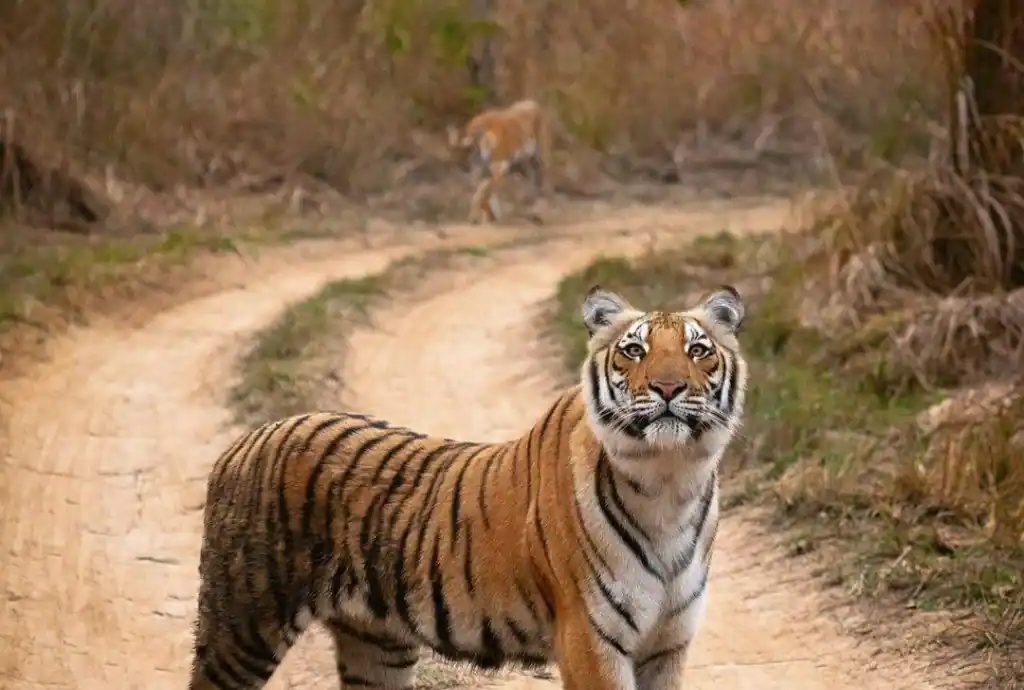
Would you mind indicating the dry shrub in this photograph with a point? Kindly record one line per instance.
(734, 82)
(976, 448)
(921, 287)
(926, 273)
(955, 229)
(962, 340)
(928, 342)
(937, 231)
(335, 94)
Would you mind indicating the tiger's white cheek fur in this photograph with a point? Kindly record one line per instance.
(620, 387)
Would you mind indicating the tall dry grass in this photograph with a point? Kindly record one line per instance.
(921, 291)
(937, 255)
(251, 93)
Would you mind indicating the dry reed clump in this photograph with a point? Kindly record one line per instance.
(939, 231)
(926, 275)
(928, 342)
(342, 96)
(974, 463)
(957, 341)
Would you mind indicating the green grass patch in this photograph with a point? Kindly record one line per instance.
(51, 275)
(293, 362)
(276, 380)
(45, 279)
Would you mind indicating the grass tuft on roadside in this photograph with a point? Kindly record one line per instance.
(56, 275)
(46, 286)
(297, 360)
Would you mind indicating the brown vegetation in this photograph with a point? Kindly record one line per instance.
(889, 339)
(129, 97)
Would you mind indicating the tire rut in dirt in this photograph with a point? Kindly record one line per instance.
(103, 484)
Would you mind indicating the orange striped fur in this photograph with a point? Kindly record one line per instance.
(586, 541)
(497, 142)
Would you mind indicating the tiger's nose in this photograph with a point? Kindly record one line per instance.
(668, 389)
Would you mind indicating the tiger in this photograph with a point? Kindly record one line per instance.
(585, 542)
(497, 142)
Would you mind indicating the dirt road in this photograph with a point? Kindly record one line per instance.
(111, 440)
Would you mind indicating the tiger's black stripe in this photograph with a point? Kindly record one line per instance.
(686, 557)
(601, 479)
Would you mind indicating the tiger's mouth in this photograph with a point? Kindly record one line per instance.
(636, 425)
(697, 423)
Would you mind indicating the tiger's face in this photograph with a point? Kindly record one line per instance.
(664, 379)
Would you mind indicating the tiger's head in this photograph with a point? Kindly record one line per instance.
(658, 380)
(461, 147)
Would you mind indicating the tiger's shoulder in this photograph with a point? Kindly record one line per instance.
(502, 132)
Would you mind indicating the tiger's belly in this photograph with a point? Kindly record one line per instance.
(494, 622)
(457, 625)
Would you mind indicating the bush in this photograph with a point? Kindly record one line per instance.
(164, 94)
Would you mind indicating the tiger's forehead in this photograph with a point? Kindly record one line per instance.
(689, 330)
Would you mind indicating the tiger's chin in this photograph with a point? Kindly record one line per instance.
(668, 432)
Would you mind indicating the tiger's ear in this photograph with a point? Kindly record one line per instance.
(600, 308)
(725, 306)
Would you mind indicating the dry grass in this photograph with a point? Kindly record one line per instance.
(129, 97)
(124, 119)
(922, 292)
(920, 288)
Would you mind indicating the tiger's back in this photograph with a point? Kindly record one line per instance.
(586, 541)
(348, 520)
(497, 142)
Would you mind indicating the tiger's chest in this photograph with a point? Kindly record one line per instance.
(633, 602)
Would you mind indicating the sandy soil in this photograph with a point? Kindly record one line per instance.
(110, 441)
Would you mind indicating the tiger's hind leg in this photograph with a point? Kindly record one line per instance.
(239, 640)
(538, 178)
(539, 196)
(478, 207)
(236, 656)
(372, 659)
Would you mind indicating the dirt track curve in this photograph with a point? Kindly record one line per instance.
(112, 439)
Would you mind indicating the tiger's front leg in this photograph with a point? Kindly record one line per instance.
(485, 201)
(662, 664)
(588, 661)
(478, 206)
(662, 670)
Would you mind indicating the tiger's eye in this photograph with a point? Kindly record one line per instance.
(634, 351)
(699, 351)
